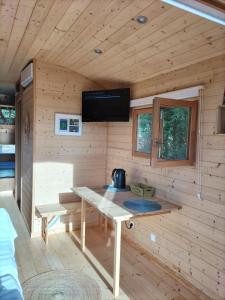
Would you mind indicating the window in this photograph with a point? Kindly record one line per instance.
(167, 134)
(142, 132)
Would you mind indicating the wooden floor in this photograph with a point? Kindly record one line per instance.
(142, 277)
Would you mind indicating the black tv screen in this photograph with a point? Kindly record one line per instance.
(106, 105)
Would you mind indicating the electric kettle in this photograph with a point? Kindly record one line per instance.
(119, 178)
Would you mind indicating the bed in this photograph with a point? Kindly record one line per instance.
(10, 288)
(7, 169)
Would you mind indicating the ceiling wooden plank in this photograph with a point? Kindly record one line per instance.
(172, 42)
(22, 18)
(8, 11)
(87, 17)
(99, 24)
(151, 11)
(169, 80)
(107, 13)
(122, 42)
(75, 10)
(181, 56)
(72, 14)
(143, 48)
(153, 56)
(188, 58)
(135, 8)
(38, 16)
(66, 32)
(53, 18)
(216, 4)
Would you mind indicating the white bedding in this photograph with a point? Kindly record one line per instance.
(10, 288)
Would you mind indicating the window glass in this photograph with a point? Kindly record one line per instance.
(144, 132)
(174, 133)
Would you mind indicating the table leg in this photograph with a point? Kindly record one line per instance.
(117, 250)
(42, 228)
(83, 223)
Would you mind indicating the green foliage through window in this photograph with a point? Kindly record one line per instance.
(167, 133)
(174, 123)
(144, 133)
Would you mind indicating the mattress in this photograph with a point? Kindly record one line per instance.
(10, 288)
(7, 173)
(7, 165)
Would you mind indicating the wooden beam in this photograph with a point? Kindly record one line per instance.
(216, 4)
(187, 93)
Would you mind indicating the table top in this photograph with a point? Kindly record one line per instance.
(103, 204)
(111, 203)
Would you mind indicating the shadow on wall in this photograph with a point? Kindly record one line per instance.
(54, 179)
(52, 182)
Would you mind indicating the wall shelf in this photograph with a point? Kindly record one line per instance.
(7, 126)
(6, 105)
(7, 149)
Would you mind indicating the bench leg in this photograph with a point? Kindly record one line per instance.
(69, 225)
(45, 229)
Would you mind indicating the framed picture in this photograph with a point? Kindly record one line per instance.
(66, 124)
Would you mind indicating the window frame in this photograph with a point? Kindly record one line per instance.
(135, 113)
(156, 134)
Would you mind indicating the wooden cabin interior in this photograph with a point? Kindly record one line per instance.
(112, 149)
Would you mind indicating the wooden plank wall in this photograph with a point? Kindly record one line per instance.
(27, 113)
(191, 241)
(61, 162)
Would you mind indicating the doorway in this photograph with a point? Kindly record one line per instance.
(7, 137)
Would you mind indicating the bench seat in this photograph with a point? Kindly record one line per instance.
(48, 211)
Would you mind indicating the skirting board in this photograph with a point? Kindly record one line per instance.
(178, 94)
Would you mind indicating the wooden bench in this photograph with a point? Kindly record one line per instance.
(48, 211)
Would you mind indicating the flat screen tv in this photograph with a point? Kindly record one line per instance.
(106, 105)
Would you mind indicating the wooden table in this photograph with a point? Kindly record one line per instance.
(110, 205)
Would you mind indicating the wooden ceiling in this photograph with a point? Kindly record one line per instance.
(66, 32)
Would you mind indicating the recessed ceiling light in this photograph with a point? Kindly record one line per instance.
(142, 19)
(98, 51)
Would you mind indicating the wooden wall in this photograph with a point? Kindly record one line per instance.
(27, 114)
(61, 162)
(191, 241)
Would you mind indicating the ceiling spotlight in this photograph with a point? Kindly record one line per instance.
(98, 51)
(142, 19)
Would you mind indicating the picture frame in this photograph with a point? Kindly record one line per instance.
(66, 124)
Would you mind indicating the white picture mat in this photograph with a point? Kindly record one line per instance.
(67, 118)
